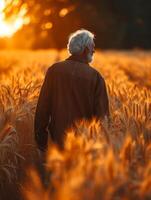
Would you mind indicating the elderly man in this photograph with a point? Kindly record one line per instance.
(72, 90)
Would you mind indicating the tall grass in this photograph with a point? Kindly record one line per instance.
(100, 161)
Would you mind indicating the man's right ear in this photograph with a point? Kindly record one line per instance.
(86, 51)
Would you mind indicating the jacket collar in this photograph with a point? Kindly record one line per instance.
(78, 58)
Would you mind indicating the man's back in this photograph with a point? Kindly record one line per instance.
(72, 90)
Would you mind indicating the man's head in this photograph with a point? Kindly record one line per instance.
(81, 43)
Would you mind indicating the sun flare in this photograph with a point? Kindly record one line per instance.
(11, 26)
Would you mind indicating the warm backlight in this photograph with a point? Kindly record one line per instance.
(9, 27)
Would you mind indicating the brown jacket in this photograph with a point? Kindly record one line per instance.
(71, 90)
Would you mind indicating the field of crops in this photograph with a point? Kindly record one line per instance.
(100, 161)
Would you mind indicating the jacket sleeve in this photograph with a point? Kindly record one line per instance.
(42, 114)
(101, 102)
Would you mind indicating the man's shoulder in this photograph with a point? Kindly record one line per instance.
(93, 69)
(52, 67)
(87, 68)
(96, 73)
(56, 65)
(98, 77)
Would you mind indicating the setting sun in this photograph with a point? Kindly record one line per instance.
(9, 27)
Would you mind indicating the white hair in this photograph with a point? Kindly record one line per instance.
(79, 40)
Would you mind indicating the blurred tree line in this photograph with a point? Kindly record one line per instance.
(116, 23)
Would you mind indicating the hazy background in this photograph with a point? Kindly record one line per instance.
(117, 24)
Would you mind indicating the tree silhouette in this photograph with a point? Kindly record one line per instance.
(117, 23)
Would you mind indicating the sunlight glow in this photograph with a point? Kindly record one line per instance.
(11, 26)
(47, 25)
(2, 5)
(63, 12)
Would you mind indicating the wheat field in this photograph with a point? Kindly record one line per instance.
(100, 161)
